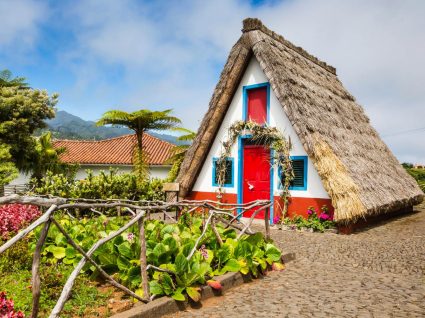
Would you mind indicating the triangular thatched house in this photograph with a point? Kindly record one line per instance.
(339, 159)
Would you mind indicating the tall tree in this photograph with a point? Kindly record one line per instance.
(47, 157)
(140, 121)
(7, 80)
(22, 111)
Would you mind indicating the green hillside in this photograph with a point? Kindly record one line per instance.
(68, 126)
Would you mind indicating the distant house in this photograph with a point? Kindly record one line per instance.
(338, 158)
(115, 152)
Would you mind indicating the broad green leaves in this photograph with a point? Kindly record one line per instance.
(168, 246)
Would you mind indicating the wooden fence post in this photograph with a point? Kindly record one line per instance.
(143, 260)
(35, 281)
(172, 193)
(267, 222)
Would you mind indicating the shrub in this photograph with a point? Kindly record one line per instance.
(168, 246)
(418, 175)
(317, 222)
(13, 217)
(16, 258)
(107, 185)
(7, 308)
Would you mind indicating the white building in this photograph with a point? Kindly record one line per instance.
(115, 152)
(338, 158)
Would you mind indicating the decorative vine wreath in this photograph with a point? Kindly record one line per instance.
(267, 136)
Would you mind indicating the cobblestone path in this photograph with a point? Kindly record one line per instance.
(379, 272)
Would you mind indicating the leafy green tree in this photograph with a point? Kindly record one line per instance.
(7, 80)
(407, 165)
(47, 157)
(8, 171)
(140, 121)
(178, 152)
(22, 111)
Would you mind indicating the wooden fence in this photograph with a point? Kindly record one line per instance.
(214, 212)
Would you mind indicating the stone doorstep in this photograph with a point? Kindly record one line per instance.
(167, 305)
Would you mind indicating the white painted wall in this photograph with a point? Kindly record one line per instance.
(154, 172)
(21, 179)
(254, 75)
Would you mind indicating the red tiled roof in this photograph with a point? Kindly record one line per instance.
(117, 150)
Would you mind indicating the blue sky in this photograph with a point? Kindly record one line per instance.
(103, 54)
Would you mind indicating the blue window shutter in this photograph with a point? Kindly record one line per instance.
(229, 174)
(299, 166)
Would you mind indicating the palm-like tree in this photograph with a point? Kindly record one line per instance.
(140, 121)
(179, 151)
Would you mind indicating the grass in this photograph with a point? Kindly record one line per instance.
(15, 279)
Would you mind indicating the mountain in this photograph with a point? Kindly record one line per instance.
(68, 126)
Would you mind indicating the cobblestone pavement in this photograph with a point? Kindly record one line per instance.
(379, 272)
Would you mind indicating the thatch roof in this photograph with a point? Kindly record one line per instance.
(357, 169)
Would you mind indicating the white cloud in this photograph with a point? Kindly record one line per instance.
(170, 53)
(378, 49)
(19, 22)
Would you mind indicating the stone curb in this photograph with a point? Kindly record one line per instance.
(167, 305)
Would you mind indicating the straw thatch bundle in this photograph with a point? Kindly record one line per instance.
(357, 169)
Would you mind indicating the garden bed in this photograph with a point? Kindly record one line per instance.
(183, 256)
(314, 222)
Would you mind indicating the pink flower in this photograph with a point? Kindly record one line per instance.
(324, 216)
(130, 237)
(7, 308)
(204, 252)
(276, 219)
(13, 217)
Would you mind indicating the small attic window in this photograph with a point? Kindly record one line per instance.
(299, 165)
(228, 176)
(256, 103)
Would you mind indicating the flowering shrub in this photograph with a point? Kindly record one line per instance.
(15, 216)
(7, 308)
(315, 221)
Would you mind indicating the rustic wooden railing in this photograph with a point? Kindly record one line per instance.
(214, 212)
(16, 189)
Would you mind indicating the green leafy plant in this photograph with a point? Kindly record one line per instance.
(107, 185)
(168, 248)
(418, 174)
(318, 223)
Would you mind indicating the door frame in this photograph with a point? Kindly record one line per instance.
(241, 142)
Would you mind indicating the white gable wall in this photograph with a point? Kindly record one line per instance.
(254, 75)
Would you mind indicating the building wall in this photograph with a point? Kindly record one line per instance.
(159, 172)
(154, 172)
(315, 194)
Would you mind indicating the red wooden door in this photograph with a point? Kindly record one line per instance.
(257, 105)
(256, 176)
